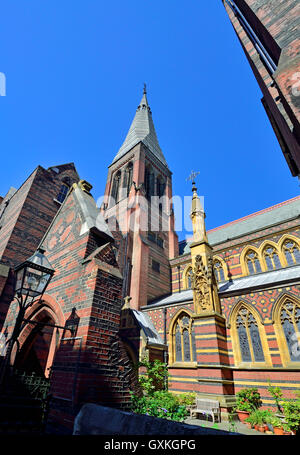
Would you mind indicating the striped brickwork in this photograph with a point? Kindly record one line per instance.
(90, 364)
(26, 218)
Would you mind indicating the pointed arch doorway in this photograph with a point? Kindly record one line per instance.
(38, 342)
(34, 354)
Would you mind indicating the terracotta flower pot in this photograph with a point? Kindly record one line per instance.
(261, 428)
(242, 415)
(278, 430)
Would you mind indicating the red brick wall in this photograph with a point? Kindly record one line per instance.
(27, 217)
(276, 28)
(94, 367)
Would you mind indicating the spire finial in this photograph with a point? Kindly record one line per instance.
(192, 178)
(145, 89)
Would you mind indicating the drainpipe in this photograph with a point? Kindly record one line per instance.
(253, 37)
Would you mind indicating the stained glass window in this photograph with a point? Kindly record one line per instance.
(186, 345)
(290, 321)
(218, 267)
(291, 252)
(189, 276)
(253, 263)
(249, 337)
(178, 347)
(271, 258)
(184, 339)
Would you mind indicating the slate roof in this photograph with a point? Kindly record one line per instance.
(142, 130)
(148, 328)
(264, 218)
(287, 274)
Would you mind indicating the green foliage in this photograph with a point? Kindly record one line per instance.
(231, 421)
(291, 410)
(187, 399)
(154, 401)
(277, 394)
(248, 400)
(155, 377)
(275, 421)
(161, 404)
(259, 417)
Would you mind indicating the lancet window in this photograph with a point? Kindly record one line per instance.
(252, 262)
(184, 339)
(290, 322)
(251, 349)
(219, 271)
(291, 252)
(271, 258)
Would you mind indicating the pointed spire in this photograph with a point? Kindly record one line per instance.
(142, 130)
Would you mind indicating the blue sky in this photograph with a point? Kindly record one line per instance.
(75, 71)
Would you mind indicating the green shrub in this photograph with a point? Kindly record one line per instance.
(275, 421)
(161, 404)
(291, 410)
(259, 417)
(277, 394)
(155, 377)
(153, 400)
(187, 399)
(248, 400)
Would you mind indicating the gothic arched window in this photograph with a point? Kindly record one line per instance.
(184, 343)
(128, 178)
(291, 252)
(188, 278)
(116, 187)
(250, 345)
(252, 262)
(218, 268)
(160, 187)
(271, 258)
(149, 182)
(290, 323)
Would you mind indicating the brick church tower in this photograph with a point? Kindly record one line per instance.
(138, 209)
(269, 34)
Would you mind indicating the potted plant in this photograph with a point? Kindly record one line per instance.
(250, 420)
(291, 410)
(247, 400)
(277, 425)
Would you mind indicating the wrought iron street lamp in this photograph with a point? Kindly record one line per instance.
(32, 279)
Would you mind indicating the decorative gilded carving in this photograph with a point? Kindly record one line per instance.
(204, 287)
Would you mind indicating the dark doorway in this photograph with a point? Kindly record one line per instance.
(33, 356)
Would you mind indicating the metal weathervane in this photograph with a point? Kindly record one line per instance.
(192, 177)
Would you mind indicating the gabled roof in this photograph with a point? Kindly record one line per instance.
(92, 218)
(146, 325)
(275, 214)
(142, 130)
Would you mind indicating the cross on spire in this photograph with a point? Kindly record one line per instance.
(145, 89)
